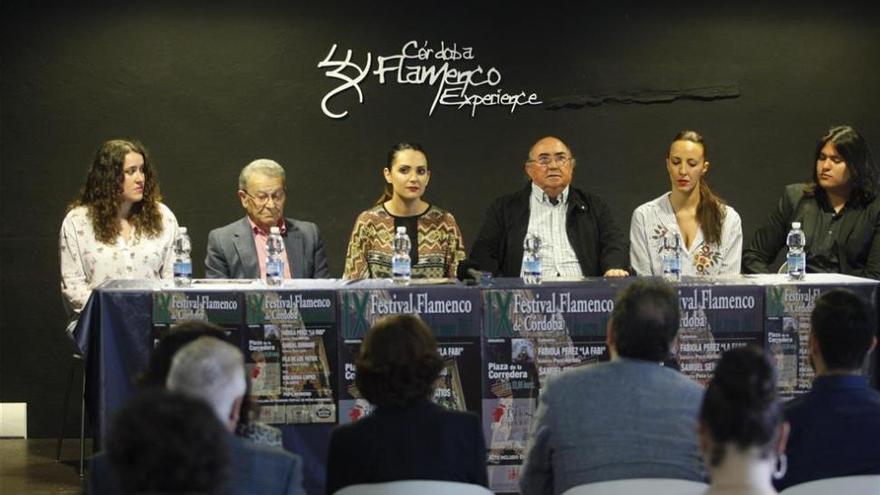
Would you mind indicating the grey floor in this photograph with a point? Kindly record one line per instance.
(28, 467)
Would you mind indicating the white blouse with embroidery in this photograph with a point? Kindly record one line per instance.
(654, 219)
(86, 262)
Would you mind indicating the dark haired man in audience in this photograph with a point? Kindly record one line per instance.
(213, 370)
(162, 442)
(835, 428)
(578, 234)
(627, 418)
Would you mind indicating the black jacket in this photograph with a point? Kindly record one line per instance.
(421, 442)
(597, 241)
(858, 248)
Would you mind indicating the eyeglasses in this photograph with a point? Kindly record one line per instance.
(260, 199)
(546, 160)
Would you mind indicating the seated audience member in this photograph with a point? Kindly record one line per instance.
(709, 231)
(162, 442)
(627, 418)
(838, 211)
(742, 435)
(578, 234)
(407, 437)
(213, 370)
(160, 363)
(835, 428)
(436, 245)
(238, 250)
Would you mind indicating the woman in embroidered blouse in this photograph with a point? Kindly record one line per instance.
(710, 232)
(436, 241)
(116, 227)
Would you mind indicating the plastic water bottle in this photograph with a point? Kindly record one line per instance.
(797, 258)
(401, 264)
(183, 267)
(670, 257)
(531, 263)
(274, 260)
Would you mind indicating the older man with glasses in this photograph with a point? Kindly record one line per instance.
(578, 234)
(238, 250)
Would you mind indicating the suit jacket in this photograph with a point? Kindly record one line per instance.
(596, 240)
(858, 254)
(423, 441)
(232, 253)
(622, 419)
(254, 469)
(835, 431)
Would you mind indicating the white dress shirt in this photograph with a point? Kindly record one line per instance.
(547, 221)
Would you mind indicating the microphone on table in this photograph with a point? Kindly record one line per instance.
(469, 272)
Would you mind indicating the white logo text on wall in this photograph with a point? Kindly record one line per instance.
(441, 67)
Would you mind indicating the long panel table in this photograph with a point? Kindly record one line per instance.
(499, 341)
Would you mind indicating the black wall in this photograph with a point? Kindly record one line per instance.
(208, 89)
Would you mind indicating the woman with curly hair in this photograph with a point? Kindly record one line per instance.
(407, 437)
(709, 231)
(116, 227)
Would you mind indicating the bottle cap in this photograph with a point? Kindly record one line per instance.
(401, 230)
(274, 230)
(795, 225)
(182, 230)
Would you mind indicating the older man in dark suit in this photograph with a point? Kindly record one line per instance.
(212, 371)
(238, 250)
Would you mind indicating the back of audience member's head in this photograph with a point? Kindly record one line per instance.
(741, 407)
(165, 442)
(177, 336)
(212, 370)
(843, 326)
(398, 362)
(645, 320)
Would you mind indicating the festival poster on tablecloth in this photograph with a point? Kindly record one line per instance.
(715, 319)
(530, 335)
(224, 309)
(290, 355)
(452, 313)
(787, 332)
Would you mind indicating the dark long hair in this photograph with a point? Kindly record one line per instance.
(853, 148)
(102, 192)
(710, 210)
(388, 192)
(741, 406)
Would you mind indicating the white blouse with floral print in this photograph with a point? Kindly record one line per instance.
(86, 262)
(654, 219)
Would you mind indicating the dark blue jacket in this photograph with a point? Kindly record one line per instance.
(835, 431)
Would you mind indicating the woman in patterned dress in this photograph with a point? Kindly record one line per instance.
(116, 227)
(436, 241)
(709, 231)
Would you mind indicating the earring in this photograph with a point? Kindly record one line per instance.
(781, 466)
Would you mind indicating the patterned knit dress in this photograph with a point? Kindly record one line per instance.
(439, 248)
